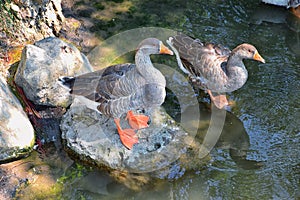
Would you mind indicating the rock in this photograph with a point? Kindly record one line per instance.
(94, 137)
(16, 132)
(276, 2)
(32, 20)
(42, 64)
(287, 3)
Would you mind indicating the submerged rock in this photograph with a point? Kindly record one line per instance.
(42, 64)
(94, 137)
(16, 132)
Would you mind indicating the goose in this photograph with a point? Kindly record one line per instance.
(213, 67)
(124, 88)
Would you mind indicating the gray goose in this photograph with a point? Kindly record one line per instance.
(212, 67)
(123, 88)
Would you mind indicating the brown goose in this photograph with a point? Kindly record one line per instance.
(123, 88)
(211, 67)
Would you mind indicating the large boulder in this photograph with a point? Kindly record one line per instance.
(94, 138)
(42, 64)
(16, 132)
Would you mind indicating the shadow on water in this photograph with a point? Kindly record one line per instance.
(233, 136)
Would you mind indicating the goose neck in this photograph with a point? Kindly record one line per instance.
(234, 60)
(143, 61)
(236, 72)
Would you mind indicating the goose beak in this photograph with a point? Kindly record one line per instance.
(258, 57)
(165, 50)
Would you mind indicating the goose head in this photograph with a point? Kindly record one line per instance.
(153, 46)
(248, 51)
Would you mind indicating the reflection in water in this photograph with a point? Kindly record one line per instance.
(233, 136)
(279, 15)
(293, 36)
(95, 185)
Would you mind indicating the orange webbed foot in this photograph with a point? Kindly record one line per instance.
(220, 101)
(137, 121)
(127, 136)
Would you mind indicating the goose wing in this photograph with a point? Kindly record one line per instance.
(202, 60)
(112, 91)
(104, 85)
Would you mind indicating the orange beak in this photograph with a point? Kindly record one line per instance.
(165, 50)
(258, 57)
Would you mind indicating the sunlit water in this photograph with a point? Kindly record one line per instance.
(267, 106)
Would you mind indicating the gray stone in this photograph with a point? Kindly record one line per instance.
(286, 3)
(16, 132)
(42, 64)
(94, 137)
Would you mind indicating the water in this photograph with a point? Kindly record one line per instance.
(265, 118)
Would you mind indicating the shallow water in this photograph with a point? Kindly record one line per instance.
(259, 157)
(268, 105)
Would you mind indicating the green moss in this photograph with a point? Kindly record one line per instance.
(17, 154)
(74, 173)
(78, 3)
(118, 1)
(8, 21)
(12, 70)
(132, 9)
(52, 192)
(99, 6)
